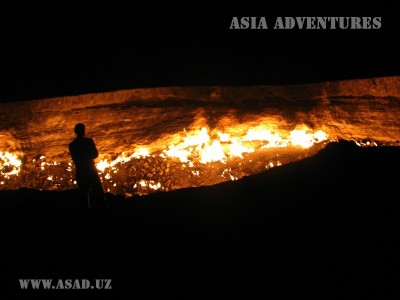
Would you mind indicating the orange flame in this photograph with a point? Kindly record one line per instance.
(10, 164)
(199, 145)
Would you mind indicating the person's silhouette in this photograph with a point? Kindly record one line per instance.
(83, 152)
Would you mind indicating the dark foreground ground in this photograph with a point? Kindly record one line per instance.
(326, 227)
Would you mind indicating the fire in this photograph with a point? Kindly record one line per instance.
(104, 164)
(261, 134)
(10, 164)
(141, 152)
(236, 149)
(151, 184)
(212, 152)
(306, 140)
(201, 144)
(190, 158)
(194, 157)
(183, 150)
(176, 152)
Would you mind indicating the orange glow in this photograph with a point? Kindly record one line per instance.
(197, 151)
(304, 139)
(200, 145)
(104, 164)
(10, 164)
(193, 157)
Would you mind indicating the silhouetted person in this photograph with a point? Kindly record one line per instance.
(83, 152)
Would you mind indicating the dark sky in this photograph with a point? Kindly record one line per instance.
(65, 49)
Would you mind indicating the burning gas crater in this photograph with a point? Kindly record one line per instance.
(194, 158)
(167, 138)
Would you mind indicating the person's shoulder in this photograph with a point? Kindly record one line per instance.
(73, 142)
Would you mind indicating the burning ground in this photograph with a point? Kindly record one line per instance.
(170, 138)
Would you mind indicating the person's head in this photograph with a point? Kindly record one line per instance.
(80, 130)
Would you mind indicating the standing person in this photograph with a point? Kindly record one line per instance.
(83, 152)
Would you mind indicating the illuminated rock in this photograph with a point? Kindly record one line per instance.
(157, 120)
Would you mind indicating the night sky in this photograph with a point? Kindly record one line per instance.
(66, 50)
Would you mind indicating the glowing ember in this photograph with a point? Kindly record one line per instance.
(366, 143)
